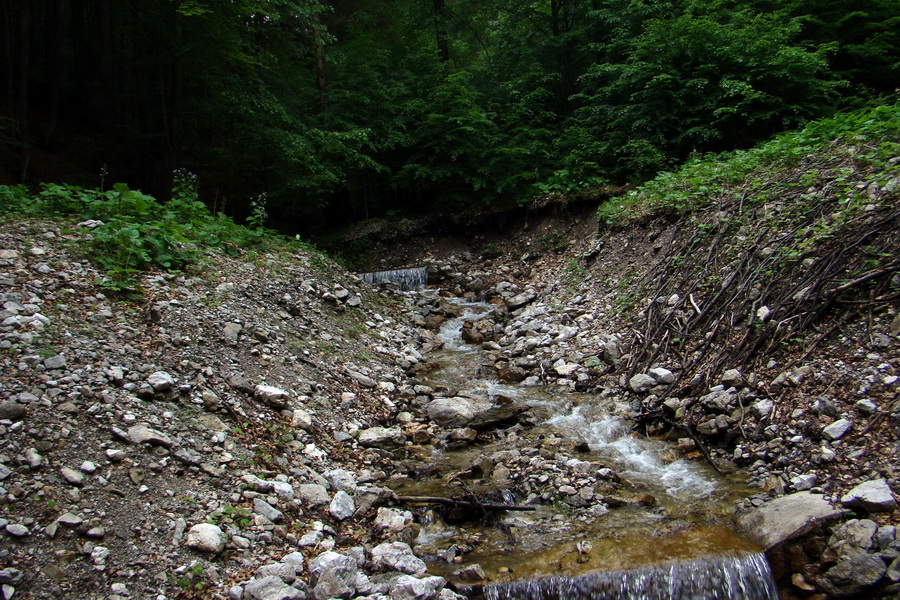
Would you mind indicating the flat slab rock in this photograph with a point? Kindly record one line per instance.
(786, 518)
(872, 496)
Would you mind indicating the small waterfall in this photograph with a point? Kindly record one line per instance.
(744, 578)
(407, 279)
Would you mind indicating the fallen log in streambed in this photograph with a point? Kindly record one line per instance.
(461, 503)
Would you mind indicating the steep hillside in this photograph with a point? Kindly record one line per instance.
(238, 394)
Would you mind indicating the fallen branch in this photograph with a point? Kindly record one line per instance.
(461, 503)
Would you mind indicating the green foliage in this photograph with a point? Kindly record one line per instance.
(138, 233)
(699, 81)
(348, 110)
(702, 179)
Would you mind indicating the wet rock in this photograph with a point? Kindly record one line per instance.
(786, 518)
(453, 412)
(413, 588)
(397, 556)
(872, 496)
(206, 537)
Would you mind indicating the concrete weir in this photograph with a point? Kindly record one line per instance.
(408, 279)
(742, 578)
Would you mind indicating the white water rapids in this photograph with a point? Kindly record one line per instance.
(603, 426)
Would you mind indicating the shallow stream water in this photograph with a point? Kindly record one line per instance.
(686, 517)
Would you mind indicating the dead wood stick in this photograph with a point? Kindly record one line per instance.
(462, 503)
(870, 275)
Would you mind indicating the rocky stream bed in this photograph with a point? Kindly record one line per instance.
(246, 430)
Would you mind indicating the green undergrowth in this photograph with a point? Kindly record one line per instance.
(869, 138)
(133, 233)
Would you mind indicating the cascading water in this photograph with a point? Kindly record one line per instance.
(680, 522)
(407, 279)
(743, 578)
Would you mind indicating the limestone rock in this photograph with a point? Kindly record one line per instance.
(265, 509)
(454, 412)
(661, 375)
(392, 520)
(837, 430)
(641, 383)
(520, 300)
(206, 537)
(342, 506)
(397, 556)
(272, 396)
(381, 437)
(872, 496)
(313, 494)
(413, 588)
(332, 575)
(786, 518)
(141, 434)
(271, 588)
(160, 381)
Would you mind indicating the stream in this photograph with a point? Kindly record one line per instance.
(606, 499)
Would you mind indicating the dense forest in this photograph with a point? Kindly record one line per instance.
(336, 110)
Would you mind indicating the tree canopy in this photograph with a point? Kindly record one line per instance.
(338, 110)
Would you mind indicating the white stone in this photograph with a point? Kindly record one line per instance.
(662, 375)
(414, 588)
(342, 506)
(393, 519)
(397, 556)
(873, 496)
(206, 537)
(272, 396)
(160, 381)
(837, 430)
(641, 383)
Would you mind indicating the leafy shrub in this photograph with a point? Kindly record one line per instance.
(138, 232)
